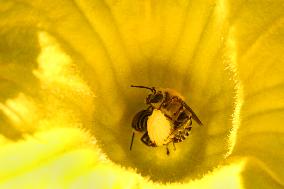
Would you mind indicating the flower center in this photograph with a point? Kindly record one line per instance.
(210, 95)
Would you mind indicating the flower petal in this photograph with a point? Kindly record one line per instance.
(84, 55)
(258, 29)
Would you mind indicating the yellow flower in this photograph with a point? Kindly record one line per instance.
(66, 104)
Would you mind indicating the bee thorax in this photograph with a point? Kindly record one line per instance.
(158, 127)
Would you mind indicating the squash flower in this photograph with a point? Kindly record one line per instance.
(66, 104)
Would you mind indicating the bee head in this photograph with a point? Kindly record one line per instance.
(155, 98)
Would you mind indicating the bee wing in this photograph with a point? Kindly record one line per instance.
(194, 116)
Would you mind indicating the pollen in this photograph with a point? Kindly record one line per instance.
(158, 127)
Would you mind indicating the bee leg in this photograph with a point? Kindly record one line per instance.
(132, 141)
(146, 140)
(168, 151)
(174, 146)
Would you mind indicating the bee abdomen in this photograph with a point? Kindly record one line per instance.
(139, 122)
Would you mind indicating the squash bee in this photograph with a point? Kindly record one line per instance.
(167, 118)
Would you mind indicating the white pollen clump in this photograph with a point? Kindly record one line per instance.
(158, 127)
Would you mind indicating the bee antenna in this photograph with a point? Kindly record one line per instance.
(131, 141)
(150, 88)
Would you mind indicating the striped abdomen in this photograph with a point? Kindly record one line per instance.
(139, 122)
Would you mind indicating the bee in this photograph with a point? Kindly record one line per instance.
(166, 120)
